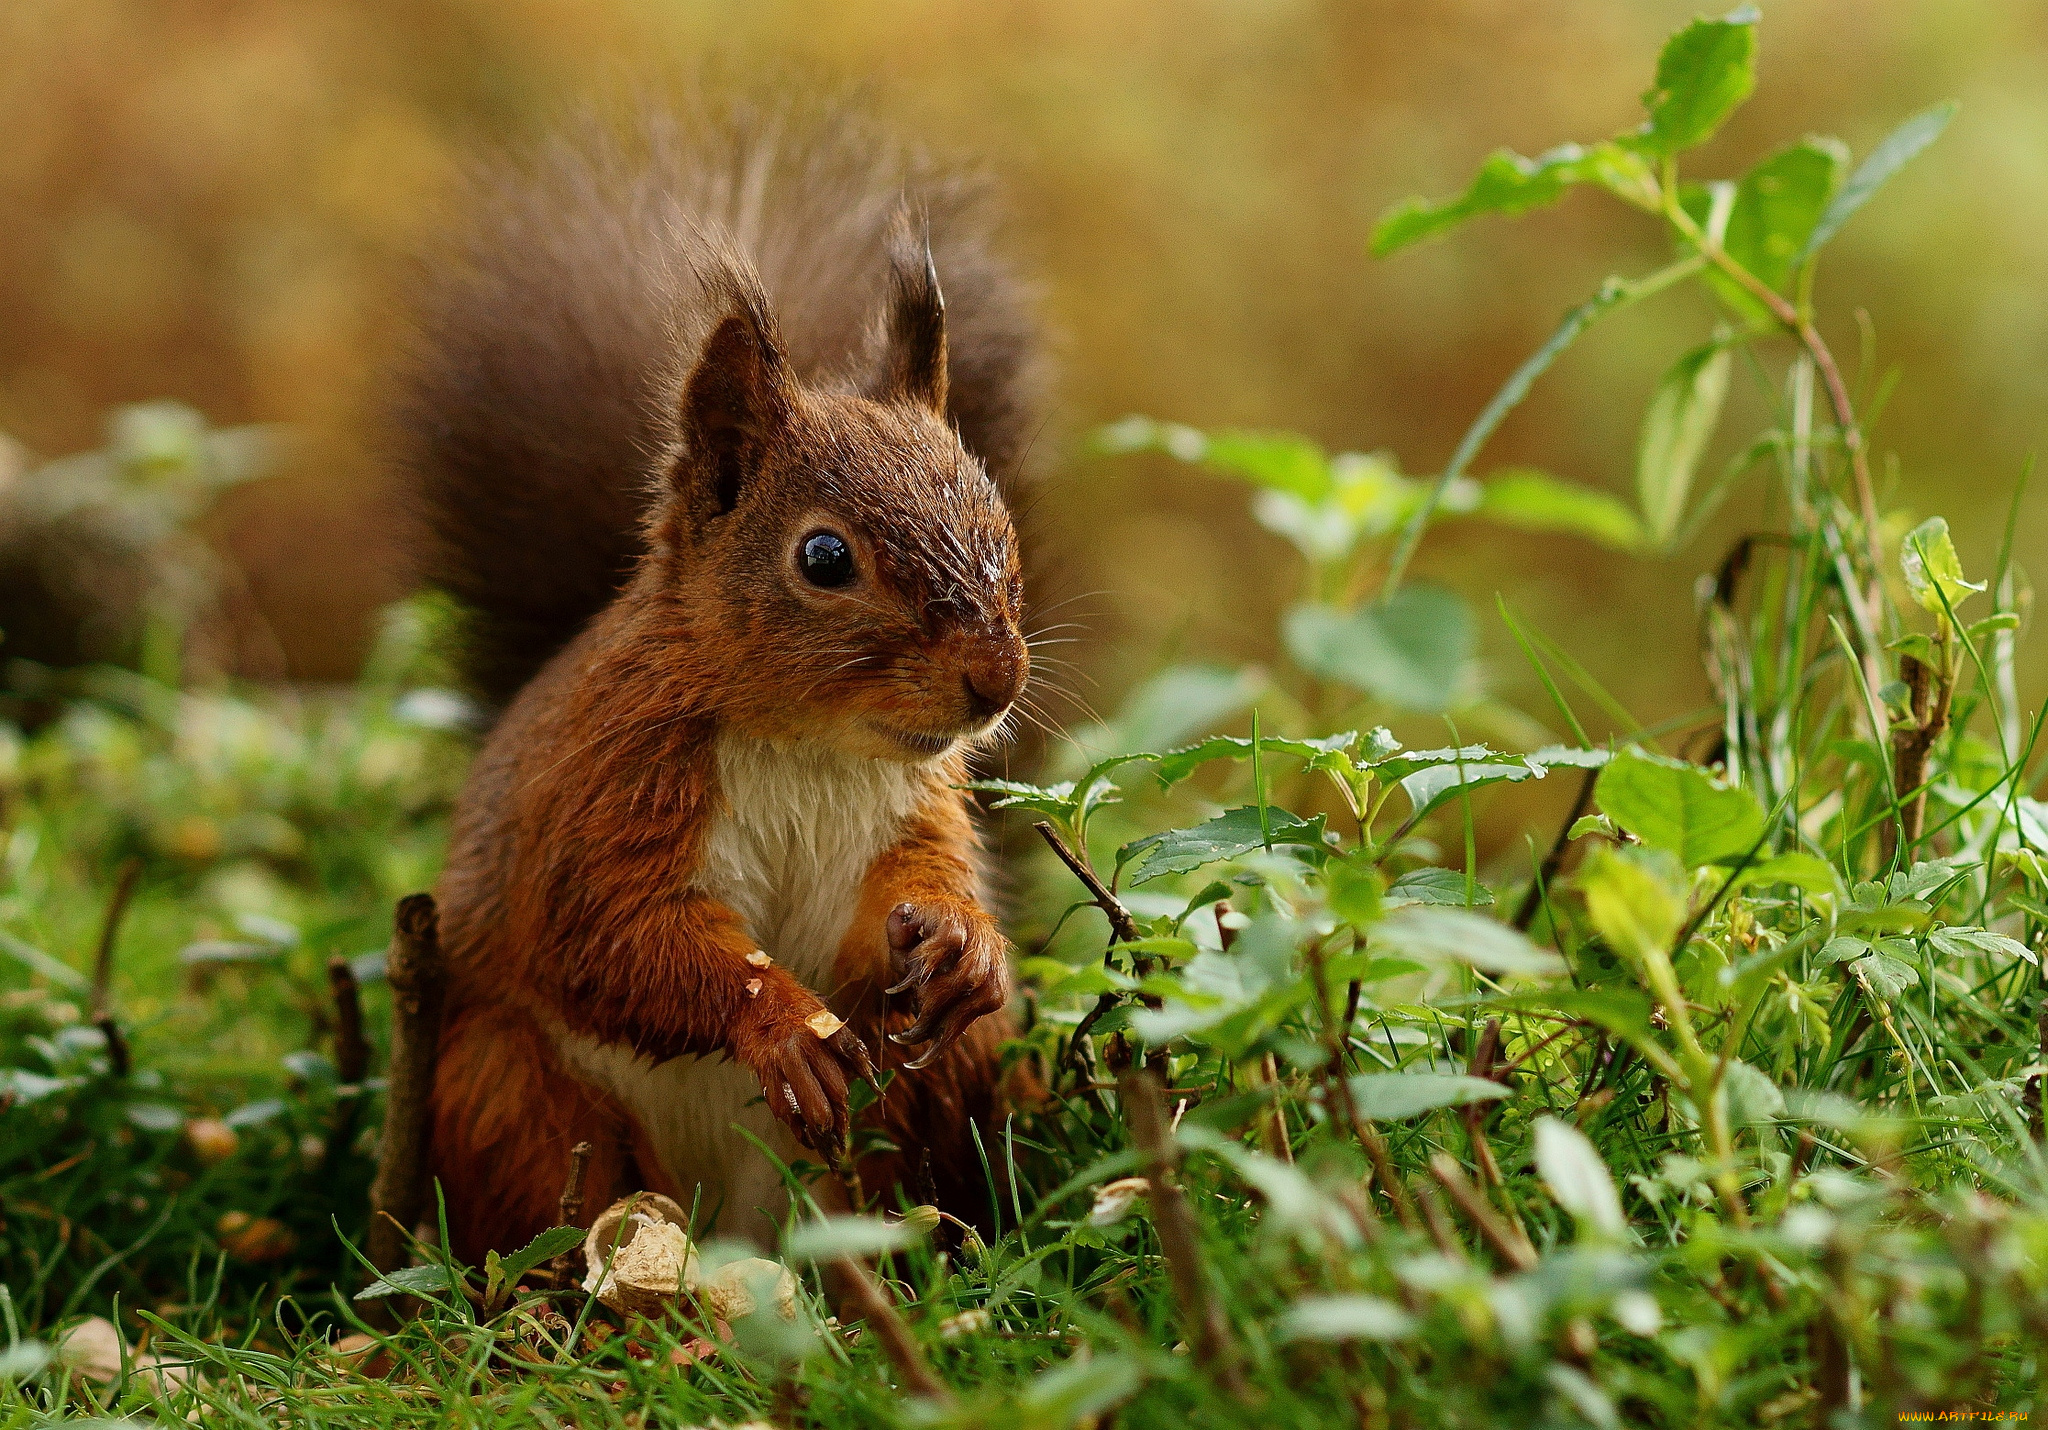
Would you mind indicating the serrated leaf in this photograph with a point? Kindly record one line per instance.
(1672, 805)
(1536, 501)
(1436, 886)
(1434, 786)
(1345, 1318)
(1677, 426)
(1898, 149)
(1962, 942)
(1176, 765)
(1933, 571)
(1234, 832)
(407, 1281)
(1704, 72)
(545, 1247)
(1885, 976)
(1388, 1097)
(1578, 1180)
(1411, 651)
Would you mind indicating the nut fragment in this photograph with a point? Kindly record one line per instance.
(753, 987)
(824, 1023)
(759, 958)
(640, 1260)
(212, 1139)
(1113, 1201)
(734, 1290)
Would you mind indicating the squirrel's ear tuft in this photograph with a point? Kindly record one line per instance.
(912, 365)
(737, 397)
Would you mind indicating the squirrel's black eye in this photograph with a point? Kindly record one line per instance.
(825, 559)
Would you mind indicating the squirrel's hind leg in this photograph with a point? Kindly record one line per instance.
(505, 1118)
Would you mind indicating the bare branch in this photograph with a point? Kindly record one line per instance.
(415, 974)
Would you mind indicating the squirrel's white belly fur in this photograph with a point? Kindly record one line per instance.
(787, 853)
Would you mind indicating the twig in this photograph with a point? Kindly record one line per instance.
(1484, 1053)
(1209, 1333)
(569, 1209)
(351, 1057)
(351, 1048)
(897, 1343)
(1336, 1082)
(1121, 925)
(1506, 1244)
(103, 967)
(414, 971)
(1931, 694)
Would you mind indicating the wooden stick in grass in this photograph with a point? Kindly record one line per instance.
(103, 967)
(897, 1343)
(570, 1208)
(351, 1056)
(413, 969)
(1207, 1330)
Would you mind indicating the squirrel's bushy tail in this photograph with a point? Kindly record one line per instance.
(553, 329)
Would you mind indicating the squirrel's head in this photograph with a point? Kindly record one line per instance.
(834, 554)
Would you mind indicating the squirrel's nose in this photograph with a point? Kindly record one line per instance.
(992, 684)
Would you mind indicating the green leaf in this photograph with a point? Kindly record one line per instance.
(1435, 886)
(407, 1281)
(1508, 183)
(1079, 1391)
(36, 961)
(1578, 1180)
(1635, 898)
(1345, 1318)
(1933, 570)
(1176, 765)
(1672, 805)
(1234, 832)
(1433, 786)
(1677, 426)
(545, 1247)
(1777, 206)
(1536, 501)
(1898, 148)
(1885, 976)
(1355, 891)
(1052, 801)
(1411, 651)
(1388, 1097)
(1281, 461)
(1705, 71)
(1435, 934)
(834, 1236)
(1962, 942)
(1800, 870)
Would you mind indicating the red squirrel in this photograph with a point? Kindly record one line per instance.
(711, 461)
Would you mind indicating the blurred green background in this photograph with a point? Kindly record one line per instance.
(212, 201)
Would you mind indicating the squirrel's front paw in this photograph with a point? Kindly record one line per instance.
(804, 1057)
(953, 955)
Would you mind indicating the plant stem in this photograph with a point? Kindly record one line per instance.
(1615, 293)
(1208, 1332)
(896, 1341)
(103, 967)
